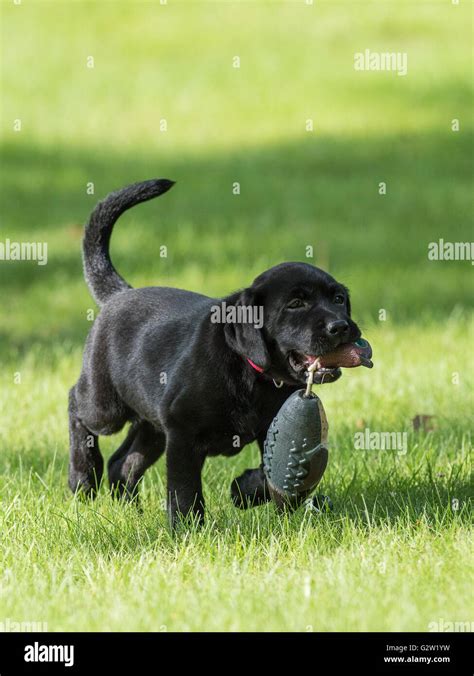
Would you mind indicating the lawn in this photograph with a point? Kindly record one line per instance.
(394, 554)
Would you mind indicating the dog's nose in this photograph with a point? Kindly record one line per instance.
(337, 328)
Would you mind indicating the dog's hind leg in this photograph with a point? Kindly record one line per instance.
(86, 464)
(143, 445)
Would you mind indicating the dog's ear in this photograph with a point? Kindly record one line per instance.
(244, 337)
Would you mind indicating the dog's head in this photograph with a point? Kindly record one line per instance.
(306, 313)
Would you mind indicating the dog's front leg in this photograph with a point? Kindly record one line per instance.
(184, 465)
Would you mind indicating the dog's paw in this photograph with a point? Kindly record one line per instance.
(83, 486)
(249, 489)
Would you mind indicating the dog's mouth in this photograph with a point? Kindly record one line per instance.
(326, 365)
(300, 364)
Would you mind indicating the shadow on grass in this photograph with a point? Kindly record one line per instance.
(320, 192)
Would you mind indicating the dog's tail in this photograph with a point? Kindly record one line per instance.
(102, 278)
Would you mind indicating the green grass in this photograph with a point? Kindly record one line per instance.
(395, 553)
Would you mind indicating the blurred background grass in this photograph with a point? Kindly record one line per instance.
(298, 188)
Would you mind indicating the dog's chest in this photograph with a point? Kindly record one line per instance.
(229, 435)
(228, 443)
(242, 425)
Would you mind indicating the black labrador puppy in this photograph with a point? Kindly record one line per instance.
(195, 376)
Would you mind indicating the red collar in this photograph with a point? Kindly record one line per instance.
(254, 366)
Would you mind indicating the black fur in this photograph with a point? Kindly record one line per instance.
(155, 359)
(102, 278)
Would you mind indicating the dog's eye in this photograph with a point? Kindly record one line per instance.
(339, 299)
(296, 302)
